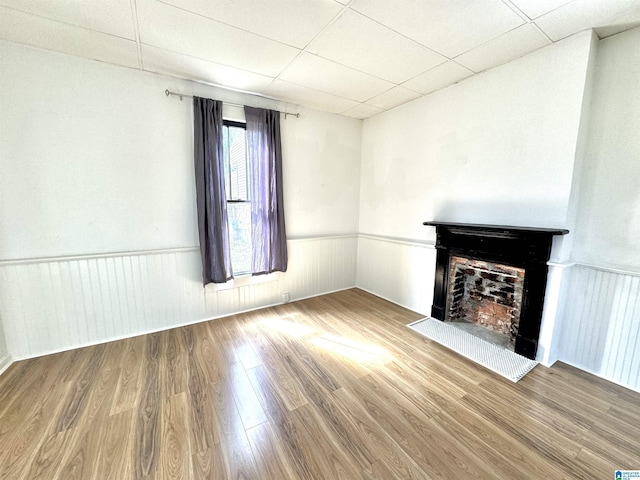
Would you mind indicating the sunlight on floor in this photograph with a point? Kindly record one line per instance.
(343, 346)
(287, 327)
(360, 352)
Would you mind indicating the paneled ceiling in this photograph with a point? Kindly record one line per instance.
(351, 57)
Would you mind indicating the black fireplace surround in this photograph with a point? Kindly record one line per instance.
(525, 247)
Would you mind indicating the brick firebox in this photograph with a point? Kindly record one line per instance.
(486, 293)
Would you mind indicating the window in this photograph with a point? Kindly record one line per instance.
(236, 178)
(242, 231)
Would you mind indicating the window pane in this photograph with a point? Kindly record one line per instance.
(240, 236)
(237, 151)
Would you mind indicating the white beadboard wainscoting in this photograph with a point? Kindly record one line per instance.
(53, 304)
(601, 324)
(398, 270)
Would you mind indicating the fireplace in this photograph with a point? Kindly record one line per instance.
(486, 294)
(494, 276)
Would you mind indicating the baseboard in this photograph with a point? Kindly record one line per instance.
(599, 376)
(5, 362)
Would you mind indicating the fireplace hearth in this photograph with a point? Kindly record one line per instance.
(494, 276)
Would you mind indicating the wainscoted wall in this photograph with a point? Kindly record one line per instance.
(601, 324)
(398, 270)
(68, 302)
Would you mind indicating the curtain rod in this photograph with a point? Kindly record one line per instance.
(168, 93)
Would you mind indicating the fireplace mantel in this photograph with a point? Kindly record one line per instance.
(527, 247)
(504, 231)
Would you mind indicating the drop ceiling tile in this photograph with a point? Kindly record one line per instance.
(106, 16)
(393, 97)
(293, 22)
(511, 45)
(535, 8)
(174, 29)
(40, 32)
(308, 97)
(363, 111)
(581, 15)
(157, 60)
(321, 74)
(448, 27)
(359, 42)
(438, 77)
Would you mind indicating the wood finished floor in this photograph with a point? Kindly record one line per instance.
(334, 387)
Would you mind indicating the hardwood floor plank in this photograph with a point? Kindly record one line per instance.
(12, 381)
(234, 444)
(277, 367)
(284, 428)
(598, 467)
(209, 464)
(19, 443)
(499, 447)
(242, 343)
(249, 407)
(200, 405)
(38, 385)
(48, 458)
(550, 443)
(326, 388)
(337, 426)
(175, 451)
(115, 461)
(128, 392)
(379, 471)
(383, 447)
(174, 365)
(271, 460)
(414, 431)
(326, 455)
(147, 440)
(82, 451)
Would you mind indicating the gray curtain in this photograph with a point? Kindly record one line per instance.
(210, 191)
(267, 214)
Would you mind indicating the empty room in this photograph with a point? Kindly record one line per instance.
(319, 239)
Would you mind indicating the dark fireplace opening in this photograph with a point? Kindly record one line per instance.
(485, 294)
(481, 264)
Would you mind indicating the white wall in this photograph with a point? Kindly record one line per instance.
(601, 326)
(497, 148)
(321, 155)
(101, 161)
(97, 201)
(608, 225)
